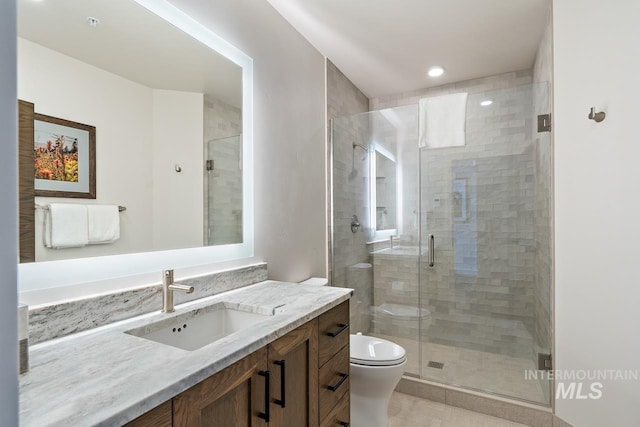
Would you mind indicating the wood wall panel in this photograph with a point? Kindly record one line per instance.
(26, 190)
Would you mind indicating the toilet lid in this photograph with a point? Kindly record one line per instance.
(372, 351)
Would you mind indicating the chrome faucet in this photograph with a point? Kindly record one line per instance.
(167, 290)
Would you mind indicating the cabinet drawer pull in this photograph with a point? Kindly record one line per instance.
(344, 424)
(282, 383)
(266, 414)
(339, 383)
(341, 329)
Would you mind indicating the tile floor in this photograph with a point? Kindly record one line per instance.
(478, 370)
(409, 411)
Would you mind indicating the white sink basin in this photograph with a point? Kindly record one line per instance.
(200, 327)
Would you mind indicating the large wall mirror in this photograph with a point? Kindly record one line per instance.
(170, 105)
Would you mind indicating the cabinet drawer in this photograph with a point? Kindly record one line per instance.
(340, 416)
(333, 331)
(334, 382)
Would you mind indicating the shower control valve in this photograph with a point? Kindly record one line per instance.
(355, 224)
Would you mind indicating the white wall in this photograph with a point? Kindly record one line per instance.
(289, 144)
(597, 183)
(121, 111)
(137, 148)
(178, 125)
(9, 222)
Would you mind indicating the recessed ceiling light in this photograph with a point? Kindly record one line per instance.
(435, 71)
(486, 102)
(93, 22)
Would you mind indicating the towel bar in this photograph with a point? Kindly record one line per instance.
(46, 208)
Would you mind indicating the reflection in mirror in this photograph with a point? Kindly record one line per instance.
(385, 183)
(162, 103)
(223, 191)
(143, 77)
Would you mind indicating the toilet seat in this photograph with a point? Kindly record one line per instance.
(372, 351)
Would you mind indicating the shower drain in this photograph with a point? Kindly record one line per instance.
(436, 365)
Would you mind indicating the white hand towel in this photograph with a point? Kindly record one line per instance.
(442, 121)
(65, 226)
(104, 224)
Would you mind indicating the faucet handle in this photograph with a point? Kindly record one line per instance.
(167, 276)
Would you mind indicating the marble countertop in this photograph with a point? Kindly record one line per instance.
(107, 377)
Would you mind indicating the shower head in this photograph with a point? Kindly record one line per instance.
(354, 145)
(361, 146)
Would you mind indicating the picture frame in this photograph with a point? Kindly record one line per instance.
(64, 158)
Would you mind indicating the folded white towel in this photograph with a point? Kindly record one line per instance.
(442, 121)
(65, 226)
(104, 224)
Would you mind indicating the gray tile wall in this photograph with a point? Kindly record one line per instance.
(359, 278)
(221, 120)
(480, 293)
(483, 292)
(350, 191)
(223, 185)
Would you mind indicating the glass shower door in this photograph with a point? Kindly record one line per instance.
(486, 208)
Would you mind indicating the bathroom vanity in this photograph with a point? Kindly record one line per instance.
(292, 368)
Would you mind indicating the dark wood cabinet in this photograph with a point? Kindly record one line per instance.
(293, 362)
(333, 340)
(160, 416)
(300, 379)
(339, 416)
(233, 397)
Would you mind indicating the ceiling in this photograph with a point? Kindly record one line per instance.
(386, 47)
(131, 42)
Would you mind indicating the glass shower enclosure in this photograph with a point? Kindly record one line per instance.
(452, 256)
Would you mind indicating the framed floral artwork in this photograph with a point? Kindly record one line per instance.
(64, 158)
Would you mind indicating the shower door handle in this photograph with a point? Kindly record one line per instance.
(431, 256)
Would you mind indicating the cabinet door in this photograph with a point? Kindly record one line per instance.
(293, 359)
(159, 416)
(233, 397)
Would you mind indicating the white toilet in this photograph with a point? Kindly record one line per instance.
(376, 367)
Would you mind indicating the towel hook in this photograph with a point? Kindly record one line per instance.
(597, 117)
(178, 168)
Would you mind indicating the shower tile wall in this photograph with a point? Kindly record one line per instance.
(360, 277)
(395, 272)
(481, 291)
(395, 281)
(223, 216)
(410, 193)
(221, 120)
(480, 294)
(350, 193)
